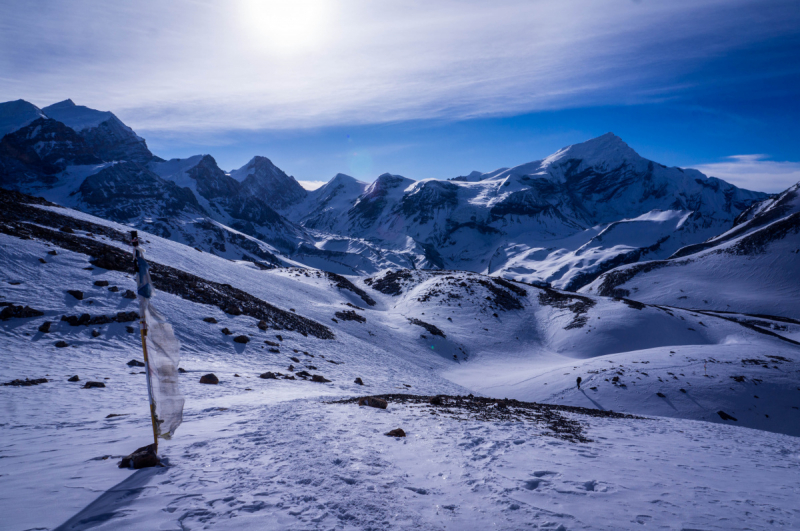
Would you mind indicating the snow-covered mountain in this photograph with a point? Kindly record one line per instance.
(268, 444)
(750, 268)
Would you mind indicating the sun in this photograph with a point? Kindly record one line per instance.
(286, 27)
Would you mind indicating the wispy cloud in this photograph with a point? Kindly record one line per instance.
(755, 172)
(193, 65)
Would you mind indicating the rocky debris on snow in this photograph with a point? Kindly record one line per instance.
(342, 283)
(129, 329)
(114, 415)
(226, 331)
(577, 304)
(269, 376)
(87, 320)
(129, 294)
(738, 378)
(350, 315)
(210, 320)
(660, 394)
(113, 289)
(397, 432)
(241, 339)
(296, 360)
(274, 351)
(181, 370)
(725, 416)
(52, 253)
(135, 363)
(45, 327)
(209, 378)
(61, 344)
(74, 379)
(372, 401)
(391, 283)
(350, 304)
(93, 385)
(144, 457)
(319, 378)
(78, 294)
(359, 381)
(101, 283)
(67, 229)
(427, 326)
(42, 261)
(26, 382)
(485, 409)
(436, 400)
(95, 333)
(271, 343)
(19, 312)
(262, 325)
(280, 337)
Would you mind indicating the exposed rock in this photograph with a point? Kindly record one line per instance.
(209, 378)
(113, 289)
(268, 376)
(181, 370)
(236, 376)
(210, 320)
(19, 312)
(397, 432)
(61, 344)
(319, 378)
(92, 385)
(662, 395)
(226, 331)
(359, 381)
(271, 343)
(373, 402)
(296, 360)
(26, 382)
(86, 319)
(129, 294)
(67, 230)
(101, 283)
(52, 253)
(129, 329)
(241, 339)
(725, 416)
(76, 293)
(42, 261)
(274, 351)
(113, 415)
(95, 333)
(144, 457)
(435, 400)
(427, 326)
(350, 315)
(74, 379)
(45, 327)
(262, 325)
(135, 363)
(280, 337)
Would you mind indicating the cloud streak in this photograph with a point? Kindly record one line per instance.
(755, 172)
(194, 65)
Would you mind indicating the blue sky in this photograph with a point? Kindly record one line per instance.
(425, 89)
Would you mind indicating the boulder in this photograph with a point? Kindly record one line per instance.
(268, 376)
(262, 325)
(280, 337)
(101, 283)
(113, 289)
(435, 400)
(42, 261)
(210, 320)
(92, 385)
(241, 339)
(19, 312)
(26, 382)
(129, 294)
(319, 378)
(371, 401)
(294, 359)
(144, 457)
(181, 370)
(78, 294)
(135, 363)
(95, 333)
(45, 327)
(61, 344)
(209, 378)
(359, 381)
(226, 332)
(397, 432)
(271, 343)
(74, 379)
(129, 329)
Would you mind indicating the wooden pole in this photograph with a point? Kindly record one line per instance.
(149, 391)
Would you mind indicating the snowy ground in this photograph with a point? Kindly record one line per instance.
(273, 454)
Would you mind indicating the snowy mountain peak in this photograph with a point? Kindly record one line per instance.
(263, 180)
(66, 104)
(17, 114)
(78, 117)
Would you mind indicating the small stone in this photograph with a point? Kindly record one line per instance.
(682, 391)
(95, 333)
(144, 457)
(397, 432)
(210, 320)
(262, 325)
(67, 230)
(135, 363)
(112, 415)
(181, 370)
(61, 344)
(271, 343)
(226, 331)
(294, 359)
(52, 253)
(209, 378)
(435, 401)
(275, 351)
(92, 385)
(291, 368)
(101, 283)
(662, 395)
(373, 402)
(241, 339)
(359, 381)
(236, 376)
(268, 376)
(319, 378)
(725, 416)
(45, 327)
(129, 294)
(42, 261)
(76, 293)
(113, 289)
(129, 329)
(74, 379)
(280, 337)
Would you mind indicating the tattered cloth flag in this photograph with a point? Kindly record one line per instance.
(163, 354)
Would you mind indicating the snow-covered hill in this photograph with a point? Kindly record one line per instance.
(750, 268)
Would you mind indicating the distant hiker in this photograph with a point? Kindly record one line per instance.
(579, 382)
